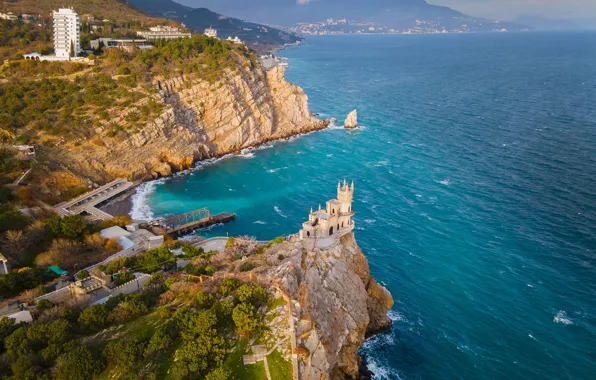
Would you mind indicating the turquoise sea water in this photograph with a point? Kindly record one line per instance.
(475, 196)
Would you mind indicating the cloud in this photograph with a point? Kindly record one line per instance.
(302, 2)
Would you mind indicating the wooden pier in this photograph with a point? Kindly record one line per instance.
(190, 221)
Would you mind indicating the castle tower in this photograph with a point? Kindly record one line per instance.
(345, 195)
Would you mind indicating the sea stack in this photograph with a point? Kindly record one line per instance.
(351, 120)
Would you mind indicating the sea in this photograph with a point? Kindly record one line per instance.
(475, 194)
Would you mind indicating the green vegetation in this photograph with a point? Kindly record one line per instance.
(277, 240)
(279, 368)
(241, 372)
(17, 38)
(17, 281)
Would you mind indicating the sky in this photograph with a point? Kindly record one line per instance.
(509, 9)
(260, 10)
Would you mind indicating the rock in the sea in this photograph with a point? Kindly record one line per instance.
(351, 120)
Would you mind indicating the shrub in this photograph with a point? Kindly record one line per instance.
(230, 242)
(228, 285)
(44, 304)
(113, 246)
(246, 267)
(83, 274)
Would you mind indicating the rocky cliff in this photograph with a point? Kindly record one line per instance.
(199, 119)
(336, 304)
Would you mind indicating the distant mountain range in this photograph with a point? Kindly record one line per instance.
(198, 19)
(542, 23)
(386, 16)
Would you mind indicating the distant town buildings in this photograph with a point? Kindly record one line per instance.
(8, 16)
(235, 40)
(125, 44)
(67, 33)
(210, 32)
(163, 33)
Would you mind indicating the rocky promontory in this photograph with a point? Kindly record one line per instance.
(336, 304)
(200, 119)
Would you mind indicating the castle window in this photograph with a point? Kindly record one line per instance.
(331, 231)
(307, 233)
(342, 224)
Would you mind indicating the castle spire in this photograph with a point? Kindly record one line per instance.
(319, 207)
(352, 184)
(345, 183)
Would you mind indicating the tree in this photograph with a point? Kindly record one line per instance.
(158, 344)
(113, 246)
(77, 364)
(154, 259)
(219, 373)
(125, 352)
(253, 294)
(7, 327)
(247, 319)
(83, 274)
(94, 318)
(72, 227)
(72, 50)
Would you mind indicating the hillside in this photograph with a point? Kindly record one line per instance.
(114, 10)
(261, 37)
(143, 115)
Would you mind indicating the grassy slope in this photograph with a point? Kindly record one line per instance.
(110, 9)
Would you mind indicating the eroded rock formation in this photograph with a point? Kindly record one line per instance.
(200, 120)
(351, 120)
(336, 304)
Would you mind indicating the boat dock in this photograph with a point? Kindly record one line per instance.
(184, 223)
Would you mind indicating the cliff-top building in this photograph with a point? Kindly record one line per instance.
(163, 32)
(67, 33)
(334, 219)
(210, 32)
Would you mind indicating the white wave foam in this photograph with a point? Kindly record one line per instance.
(259, 222)
(562, 317)
(370, 221)
(278, 211)
(445, 182)
(276, 170)
(330, 155)
(140, 209)
(382, 163)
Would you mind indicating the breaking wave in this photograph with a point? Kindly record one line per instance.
(140, 209)
(562, 317)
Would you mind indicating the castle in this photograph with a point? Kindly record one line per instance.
(336, 218)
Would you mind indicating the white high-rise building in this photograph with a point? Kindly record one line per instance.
(67, 33)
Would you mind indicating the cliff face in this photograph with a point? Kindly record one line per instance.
(336, 304)
(200, 120)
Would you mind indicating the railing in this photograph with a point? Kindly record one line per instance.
(186, 218)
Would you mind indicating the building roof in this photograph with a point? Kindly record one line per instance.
(2, 258)
(22, 316)
(56, 269)
(114, 232)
